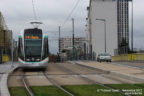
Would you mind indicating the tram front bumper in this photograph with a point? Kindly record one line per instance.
(40, 64)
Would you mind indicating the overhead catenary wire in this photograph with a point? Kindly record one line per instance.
(34, 11)
(71, 13)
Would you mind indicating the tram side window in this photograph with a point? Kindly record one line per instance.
(20, 49)
(45, 48)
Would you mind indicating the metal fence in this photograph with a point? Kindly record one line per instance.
(77, 55)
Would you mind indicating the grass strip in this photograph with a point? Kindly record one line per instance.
(18, 91)
(47, 91)
(132, 89)
(79, 90)
(91, 90)
(139, 85)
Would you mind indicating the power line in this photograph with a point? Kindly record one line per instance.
(34, 11)
(71, 13)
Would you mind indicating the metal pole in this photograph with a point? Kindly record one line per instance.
(105, 34)
(132, 29)
(73, 36)
(12, 51)
(59, 39)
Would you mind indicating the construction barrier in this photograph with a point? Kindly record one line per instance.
(5, 41)
(5, 58)
(129, 57)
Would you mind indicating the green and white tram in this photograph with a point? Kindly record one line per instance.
(33, 49)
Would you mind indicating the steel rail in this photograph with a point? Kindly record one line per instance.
(89, 80)
(26, 85)
(57, 85)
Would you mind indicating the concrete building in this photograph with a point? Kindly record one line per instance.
(112, 18)
(5, 41)
(123, 26)
(66, 43)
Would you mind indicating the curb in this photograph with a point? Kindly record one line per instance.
(3, 88)
(3, 83)
(122, 75)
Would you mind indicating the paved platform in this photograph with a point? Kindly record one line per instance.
(5, 69)
(7, 66)
(130, 73)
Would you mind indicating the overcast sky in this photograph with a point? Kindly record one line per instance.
(139, 24)
(53, 13)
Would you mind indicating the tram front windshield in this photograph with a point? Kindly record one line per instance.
(33, 43)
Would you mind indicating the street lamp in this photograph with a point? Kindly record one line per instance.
(104, 31)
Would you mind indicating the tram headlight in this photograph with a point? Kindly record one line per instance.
(27, 59)
(38, 59)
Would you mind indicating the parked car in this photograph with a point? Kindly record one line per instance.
(104, 57)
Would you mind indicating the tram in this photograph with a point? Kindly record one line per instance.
(33, 49)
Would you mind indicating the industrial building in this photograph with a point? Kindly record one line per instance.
(107, 27)
(66, 43)
(5, 41)
(66, 47)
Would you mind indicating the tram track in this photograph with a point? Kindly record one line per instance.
(89, 80)
(21, 82)
(54, 83)
(49, 79)
(57, 85)
(93, 71)
(64, 71)
(26, 85)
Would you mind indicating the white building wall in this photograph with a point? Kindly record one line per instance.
(104, 9)
(87, 36)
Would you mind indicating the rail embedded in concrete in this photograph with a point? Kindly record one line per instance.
(89, 80)
(26, 85)
(122, 75)
(57, 85)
